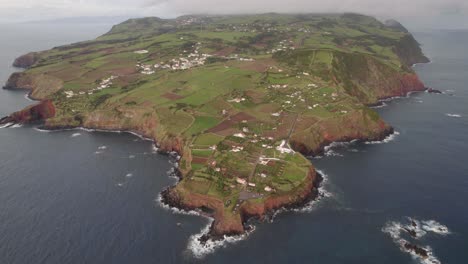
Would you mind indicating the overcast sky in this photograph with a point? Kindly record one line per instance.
(430, 13)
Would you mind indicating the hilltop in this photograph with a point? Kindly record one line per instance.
(242, 99)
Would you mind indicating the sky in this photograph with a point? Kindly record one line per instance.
(420, 13)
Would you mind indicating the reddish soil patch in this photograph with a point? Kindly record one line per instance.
(269, 108)
(304, 123)
(241, 116)
(172, 96)
(257, 97)
(260, 45)
(224, 52)
(221, 126)
(233, 120)
(258, 65)
(124, 71)
(199, 160)
(271, 163)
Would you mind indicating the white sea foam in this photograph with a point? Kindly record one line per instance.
(98, 152)
(454, 115)
(131, 156)
(42, 130)
(200, 249)
(6, 125)
(26, 96)
(435, 227)
(120, 184)
(174, 209)
(129, 175)
(332, 153)
(418, 230)
(323, 194)
(381, 105)
(102, 147)
(385, 140)
(76, 135)
(154, 148)
(16, 126)
(330, 150)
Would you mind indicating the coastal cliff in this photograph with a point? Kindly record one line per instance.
(242, 106)
(26, 61)
(34, 113)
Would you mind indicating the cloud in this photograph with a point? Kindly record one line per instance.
(46, 9)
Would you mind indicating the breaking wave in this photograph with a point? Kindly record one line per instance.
(454, 115)
(154, 149)
(385, 140)
(76, 135)
(413, 229)
(323, 193)
(175, 210)
(6, 125)
(380, 105)
(200, 249)
(16, 126)
(332, 149)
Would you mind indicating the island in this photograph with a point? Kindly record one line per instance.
(242, 99)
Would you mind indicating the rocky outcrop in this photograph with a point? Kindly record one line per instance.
(409, 51)
(27, 60)
(232, 223)
(223, 224)
(435, 91)
(41, 86)
(19, 80)
(372, 80)
(301, 196)
(363, 125)
(34, 113)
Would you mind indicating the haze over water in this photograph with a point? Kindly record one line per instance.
(80, 197)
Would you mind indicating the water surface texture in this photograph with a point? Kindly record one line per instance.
(91, 197)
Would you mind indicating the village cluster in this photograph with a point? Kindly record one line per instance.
(283, 45)
(105, 83)
(193, 59)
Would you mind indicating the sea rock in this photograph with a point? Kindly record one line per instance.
(431, 90)
(423, 253)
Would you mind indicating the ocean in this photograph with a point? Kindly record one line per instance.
(92, 197)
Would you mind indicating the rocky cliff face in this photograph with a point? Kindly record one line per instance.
(233, 224)
(41, 86)
(34, 113)
(371, 80)
(409, 51)
(26, 60)
(364, 125)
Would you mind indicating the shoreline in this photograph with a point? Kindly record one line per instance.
(301, 197)
(246, 217)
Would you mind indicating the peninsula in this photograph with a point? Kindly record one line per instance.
(242, 99)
